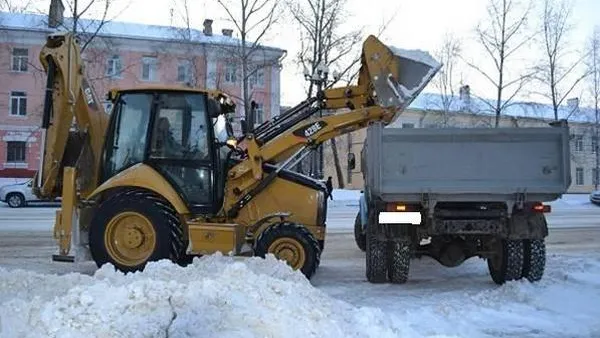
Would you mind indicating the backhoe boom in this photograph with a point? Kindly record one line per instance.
(68, 96)
(389, 80)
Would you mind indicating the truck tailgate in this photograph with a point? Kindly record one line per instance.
(469, 164)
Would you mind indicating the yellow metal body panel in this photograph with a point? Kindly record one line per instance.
(72, 97)
(283, 196)
(143, 176)
(208, 238)
(64, 216)
(130, 238)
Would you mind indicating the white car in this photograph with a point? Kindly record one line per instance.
(18, 195)
(595, 197)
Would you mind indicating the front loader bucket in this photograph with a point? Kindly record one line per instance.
(397, 75)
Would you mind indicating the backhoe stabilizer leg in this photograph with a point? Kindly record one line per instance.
(66, 226)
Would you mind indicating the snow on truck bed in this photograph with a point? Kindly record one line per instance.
(220, 296)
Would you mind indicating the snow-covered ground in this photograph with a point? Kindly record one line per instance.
(221, 296)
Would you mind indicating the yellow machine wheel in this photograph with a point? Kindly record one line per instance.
(134, 227)
(290, 250)
(292, 243)
(130, 238)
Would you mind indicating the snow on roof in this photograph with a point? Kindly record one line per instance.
(522, 109)
(38, 22)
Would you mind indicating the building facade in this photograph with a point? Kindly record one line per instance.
(423, 114)
(121, 54)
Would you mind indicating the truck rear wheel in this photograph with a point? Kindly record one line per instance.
(507, 261)
(134, 227)
(376, 262)
(534, 259)
(292, 243)
(359, 237)
(399, 255)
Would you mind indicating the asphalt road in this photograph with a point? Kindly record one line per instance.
(26, 237)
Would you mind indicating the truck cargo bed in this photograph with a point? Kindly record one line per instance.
(469, 164)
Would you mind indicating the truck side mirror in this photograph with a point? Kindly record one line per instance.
(351, 161)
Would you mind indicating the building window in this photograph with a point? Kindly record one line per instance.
(230, 73)
(257, 79)
(184, 71)
(15, 151)
(594, 176)
(18, 103)
(113, 66)
(578, 142)
(259, 113)
(579, 176)
(20, 58)
(149, 69)
(408, 125)
(594, 143)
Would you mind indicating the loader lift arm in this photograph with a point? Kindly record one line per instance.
(68, 96)
(389, 80)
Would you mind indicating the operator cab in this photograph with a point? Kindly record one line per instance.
(171, 130)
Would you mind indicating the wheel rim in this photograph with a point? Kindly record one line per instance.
(289, 250)
(14, 201)
(130, 238)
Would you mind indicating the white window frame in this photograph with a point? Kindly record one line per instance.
(22, 60)
(186, 66)
(258, 78)
(230, 73)
(578, 140)
(579, 173)
(20, 99)
(24, 153)
(151, 62)
(259, 111)
(114, 66)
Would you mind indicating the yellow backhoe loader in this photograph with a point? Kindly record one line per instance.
(163, 177)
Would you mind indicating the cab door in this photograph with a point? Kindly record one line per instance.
(180, 148)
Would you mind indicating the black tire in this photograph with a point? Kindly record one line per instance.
(376, 262)
(297, 232)
(510, 265)
(15, 200)
(167, 226)
(359, 237)
(535, 259)
(399, 255)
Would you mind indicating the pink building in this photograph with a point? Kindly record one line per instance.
(120, 55)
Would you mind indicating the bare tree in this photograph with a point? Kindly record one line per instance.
(189, 67)
(253, 19)
(445, 81)
(87, 30)
(501, 37)
(325, 42)
(554, 70)
(593, 66)
(15, 6)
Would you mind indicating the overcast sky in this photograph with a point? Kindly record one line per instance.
(418, 24)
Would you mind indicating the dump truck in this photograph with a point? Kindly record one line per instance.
(162, 176)
(456, 193)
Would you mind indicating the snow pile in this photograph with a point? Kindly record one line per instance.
(216, 296)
